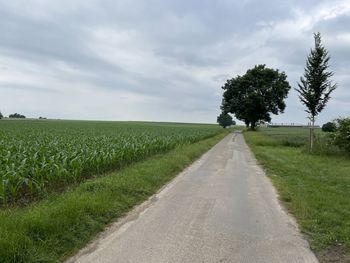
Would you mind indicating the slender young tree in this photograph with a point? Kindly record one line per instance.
(315, 86)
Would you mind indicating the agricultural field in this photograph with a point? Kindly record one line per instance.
(54, 227)
(290, 136)
(36, 155)
(315, 187)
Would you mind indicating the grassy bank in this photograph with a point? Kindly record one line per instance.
(55, 228)
(314, 188)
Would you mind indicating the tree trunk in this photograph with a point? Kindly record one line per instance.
(253, 126)
(312, 133)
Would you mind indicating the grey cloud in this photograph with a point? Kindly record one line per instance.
(172, 55)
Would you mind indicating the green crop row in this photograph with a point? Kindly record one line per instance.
(37, 154)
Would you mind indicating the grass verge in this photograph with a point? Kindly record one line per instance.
(314, 188)
(57, 227)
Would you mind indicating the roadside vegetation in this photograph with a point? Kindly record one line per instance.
(56, 227)
(315, 187)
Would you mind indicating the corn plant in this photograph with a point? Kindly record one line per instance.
(38, 154)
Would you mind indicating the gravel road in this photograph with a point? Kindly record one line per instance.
(222, 208)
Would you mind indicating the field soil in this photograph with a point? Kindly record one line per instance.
(222, 208)
(334, 254)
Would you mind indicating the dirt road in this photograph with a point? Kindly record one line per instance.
(221, 209)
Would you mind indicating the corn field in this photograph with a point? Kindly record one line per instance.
(35, 155)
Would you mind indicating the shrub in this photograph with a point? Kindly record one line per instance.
(329, 127)
(326, 146)
(342, 133)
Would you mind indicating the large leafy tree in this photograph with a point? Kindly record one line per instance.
(315, 86)
(1, 116)
(255, 95)
(225, 120)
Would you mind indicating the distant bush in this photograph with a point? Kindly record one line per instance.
(17, 115)
(342, 134)
(329, 127)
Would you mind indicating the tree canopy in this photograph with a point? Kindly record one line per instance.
(255, 95)
(225, 120)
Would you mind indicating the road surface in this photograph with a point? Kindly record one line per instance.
(222, 208)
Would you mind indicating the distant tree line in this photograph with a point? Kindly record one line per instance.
(17, 116)
(14, 115)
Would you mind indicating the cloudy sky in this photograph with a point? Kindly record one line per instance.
(160, 60)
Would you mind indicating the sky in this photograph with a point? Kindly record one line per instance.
(161, 60)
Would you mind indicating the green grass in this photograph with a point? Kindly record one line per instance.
(55, 228)
(314, 188)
